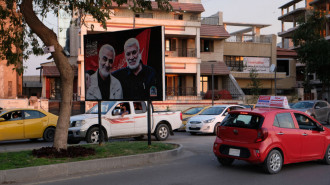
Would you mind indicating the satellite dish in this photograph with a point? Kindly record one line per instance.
(272, 68)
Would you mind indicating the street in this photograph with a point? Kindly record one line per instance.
(198, 165)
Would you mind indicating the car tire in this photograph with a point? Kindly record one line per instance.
(225, 161)
(216, 128)
(326, 158)
(93, 135)
(162, 132)
(49, 134)
(273, 163)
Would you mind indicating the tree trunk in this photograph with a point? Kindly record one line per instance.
(66, 72)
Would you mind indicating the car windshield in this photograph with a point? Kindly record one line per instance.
(213, 111)
(193, 111)
(105, 107)
(303, 105)
(243, 121)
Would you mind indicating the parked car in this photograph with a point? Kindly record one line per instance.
(209, 119)
(117, 122)
(318, 109)
(188, 113)
(271, 137)
(27, 124)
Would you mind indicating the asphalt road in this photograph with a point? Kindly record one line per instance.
(198, 165)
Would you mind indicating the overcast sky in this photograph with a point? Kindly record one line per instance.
(241, 11)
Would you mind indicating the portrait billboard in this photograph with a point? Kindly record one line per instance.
(124, 65)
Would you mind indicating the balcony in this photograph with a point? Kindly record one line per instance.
(181, 52)
(251, 39)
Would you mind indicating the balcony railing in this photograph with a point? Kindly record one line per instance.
(181, 91)
(181, 52)
(252, 39)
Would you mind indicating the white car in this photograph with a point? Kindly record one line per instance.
(209, 119)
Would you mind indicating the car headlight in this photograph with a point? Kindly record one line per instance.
(78, 123)
(186, 119)
(209, 120)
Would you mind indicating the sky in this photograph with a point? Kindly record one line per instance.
(239, 11)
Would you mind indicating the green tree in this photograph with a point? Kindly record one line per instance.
(21, 26)
(312, 48)
(255, 84)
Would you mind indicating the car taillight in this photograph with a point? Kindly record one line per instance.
(218, 131)
(262, 134)
(181, 116)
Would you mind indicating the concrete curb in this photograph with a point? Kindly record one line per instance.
(46, 172)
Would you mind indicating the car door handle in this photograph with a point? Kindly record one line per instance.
(304, 134)
(280, 133)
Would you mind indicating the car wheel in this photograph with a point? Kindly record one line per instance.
(162, 132)
(49, 134)
(326, 158)
(273, 163)
(225, 161)
(216, 128)
(93, 135)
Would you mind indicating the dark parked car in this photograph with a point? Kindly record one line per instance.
(318, 109)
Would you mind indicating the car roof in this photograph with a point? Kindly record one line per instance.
(264, 110)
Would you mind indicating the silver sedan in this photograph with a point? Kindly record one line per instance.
(318, 109)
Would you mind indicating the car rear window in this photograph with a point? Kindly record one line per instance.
(243, 121)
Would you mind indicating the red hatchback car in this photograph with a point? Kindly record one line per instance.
(272, 137)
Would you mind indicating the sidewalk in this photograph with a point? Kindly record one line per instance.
(46, 172)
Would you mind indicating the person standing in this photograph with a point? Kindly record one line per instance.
(137, 79)
(103, 85)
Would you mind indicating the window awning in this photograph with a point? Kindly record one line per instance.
(52, 71)
(219, 68)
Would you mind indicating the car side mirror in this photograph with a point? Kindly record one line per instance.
(320, 127)
(116, 112)
(225, 114)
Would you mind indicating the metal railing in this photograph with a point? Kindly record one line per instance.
(252, 39)
(181, 52)
(181, 91)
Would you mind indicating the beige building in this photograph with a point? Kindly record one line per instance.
(10, 81)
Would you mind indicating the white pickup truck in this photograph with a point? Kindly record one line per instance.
(116, 122)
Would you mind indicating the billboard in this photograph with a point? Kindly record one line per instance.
(125, 65)
(258, 63)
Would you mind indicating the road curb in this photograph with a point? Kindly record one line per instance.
(46, 172)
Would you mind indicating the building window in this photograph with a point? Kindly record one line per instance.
(234, 63)
(178, 16)
(144, 15)
(204, 84)
(207, 46)
(283, 66)
(170, 45)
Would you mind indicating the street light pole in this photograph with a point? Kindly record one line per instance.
(212, 65)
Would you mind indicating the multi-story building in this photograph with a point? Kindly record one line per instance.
(10, 80)
(291, 13)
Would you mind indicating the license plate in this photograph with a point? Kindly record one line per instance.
(193, 126)
(234, 152)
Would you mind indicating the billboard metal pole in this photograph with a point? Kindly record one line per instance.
(100, 123)
(149, 123)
